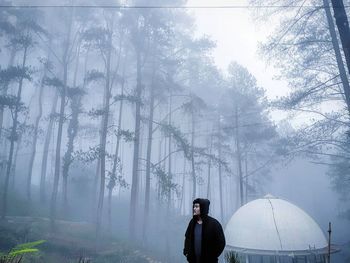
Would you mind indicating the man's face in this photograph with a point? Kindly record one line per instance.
(196, 210)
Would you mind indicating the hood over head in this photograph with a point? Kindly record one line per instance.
(203, 204)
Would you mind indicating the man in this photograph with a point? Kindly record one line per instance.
(204, 238)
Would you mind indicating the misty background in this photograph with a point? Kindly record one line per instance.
(114, 118)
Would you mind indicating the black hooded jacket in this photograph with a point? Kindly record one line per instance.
(213, 239)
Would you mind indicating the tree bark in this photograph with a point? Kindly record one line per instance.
(35, 135)
(58, 151)
(112, 181)
(96, 184)
(107, 96)
(220, 170)
(48, 136)
(182, 203)
(246, 177)
(72, 132)
(35, 138)
(209, 167)
(135, 167)
(53, 204)
(220, 186)
(169, 158)
(14, 165)
(338, 56)
(194, 178)
(116, 155)
(148, 161)
(239, 159)
(160, 147)
(341, 20)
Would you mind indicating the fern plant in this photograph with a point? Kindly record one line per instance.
(17, 253)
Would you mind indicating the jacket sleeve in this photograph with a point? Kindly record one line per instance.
(221, 242)
(187, 241)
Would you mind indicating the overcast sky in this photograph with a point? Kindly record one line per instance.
(237, 37)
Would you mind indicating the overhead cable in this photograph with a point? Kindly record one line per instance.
(168, 7)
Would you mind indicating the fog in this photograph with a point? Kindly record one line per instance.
(115, 116)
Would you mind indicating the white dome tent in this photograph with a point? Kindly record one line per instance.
(270, 229)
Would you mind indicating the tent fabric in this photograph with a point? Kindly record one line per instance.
(274, 226)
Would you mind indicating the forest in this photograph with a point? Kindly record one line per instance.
(114, 117)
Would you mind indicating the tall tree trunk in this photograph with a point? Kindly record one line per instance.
(97, 178)
(341, 20)
(116, 156)
(135, 167)
(170, 155)
(220, 187)
(148, 161)
(112, 181)
(13, 169)
(36, 129)
(220, 172)
(96, 183)
(13, 138)
(68, 159)
(194, 178)
(107, 95)
(65, 59)
(182, 202)
(58, 151)
(160, 147)
(209, 166)
(72, 132)
(246, 176)
(338, 56)
(239, 160)
(169, 190)
(46, 148)
(109, 208)
(35, 138)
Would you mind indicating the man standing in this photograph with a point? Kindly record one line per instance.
(204, 238)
